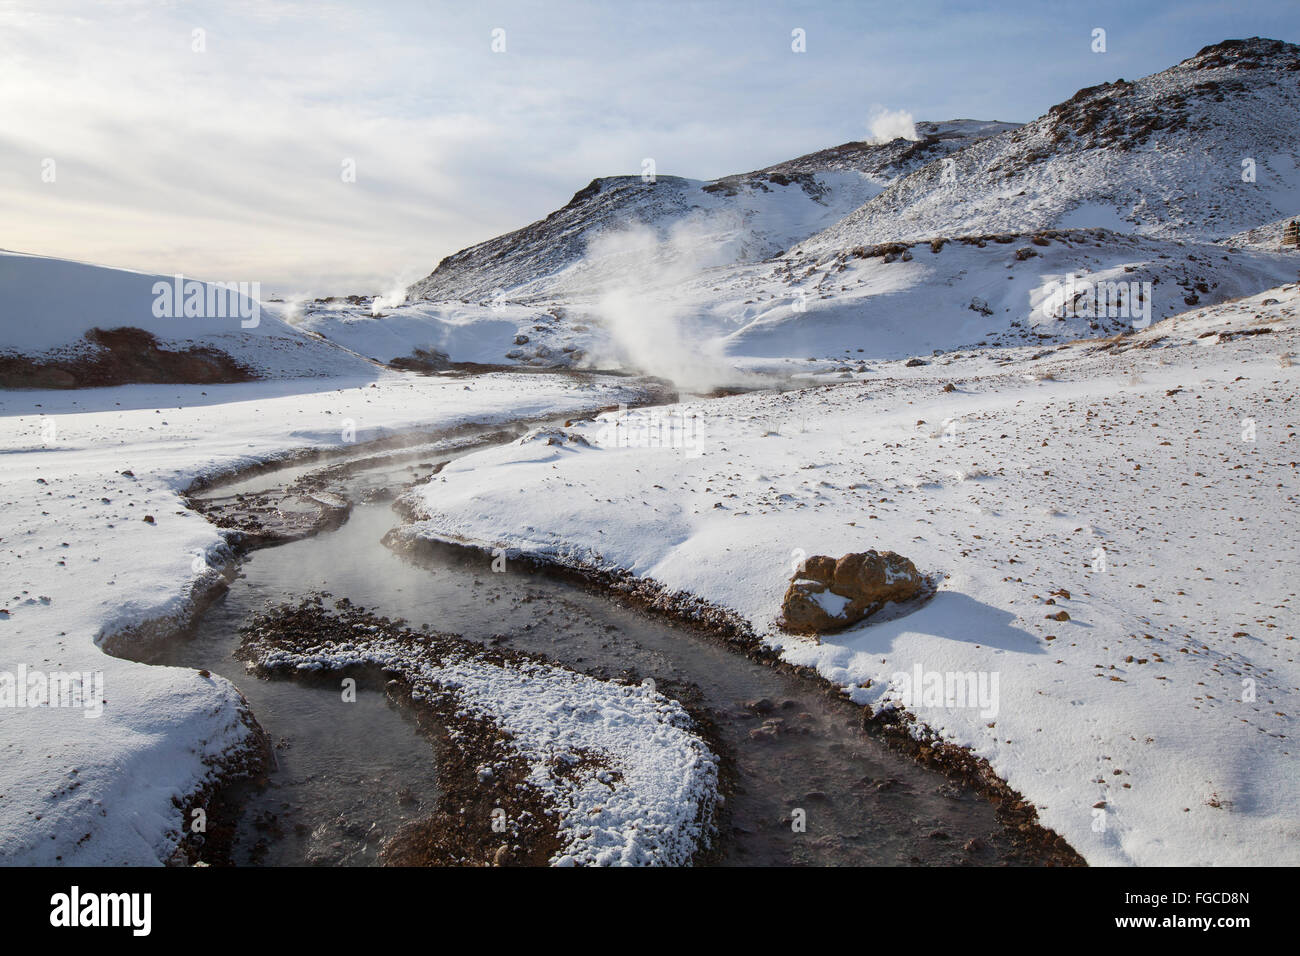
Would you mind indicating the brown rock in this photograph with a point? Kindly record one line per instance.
(819, 568)
(828, 594)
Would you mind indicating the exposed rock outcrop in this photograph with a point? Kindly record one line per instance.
(829, 594)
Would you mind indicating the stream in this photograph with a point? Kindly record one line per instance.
(345, 778)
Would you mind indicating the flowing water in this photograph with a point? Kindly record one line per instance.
(345, 777)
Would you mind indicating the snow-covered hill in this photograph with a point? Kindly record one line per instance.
(1176, 185)
(1168, 155)
(58, 320)
(895, 301)
(702, 327)
(740, 218)
(861, 252)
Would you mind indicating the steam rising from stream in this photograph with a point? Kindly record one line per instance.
(644, 279)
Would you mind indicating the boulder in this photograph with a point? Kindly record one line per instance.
(828, 594)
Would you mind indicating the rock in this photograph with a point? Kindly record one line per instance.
(818, 568)
(829, 594)
(914, 362)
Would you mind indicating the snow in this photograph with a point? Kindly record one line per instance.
(1154, 726)
(877, 309)
(50, 304)
(464, 332)
(830, 602)
(1166, 156)
(1146, 486)
(80, 564)
(1094, 215)
(649, 801)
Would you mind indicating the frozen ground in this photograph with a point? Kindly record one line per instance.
(95, 540)
(1152, 479)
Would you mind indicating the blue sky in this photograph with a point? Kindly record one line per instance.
(226, 162)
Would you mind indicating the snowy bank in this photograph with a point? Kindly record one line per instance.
(1144, 486)
(97, 541)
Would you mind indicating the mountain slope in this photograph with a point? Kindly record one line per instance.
(742, 218)
(1162, 156)
(900, 301)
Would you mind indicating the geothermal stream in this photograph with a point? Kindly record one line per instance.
(345, 777)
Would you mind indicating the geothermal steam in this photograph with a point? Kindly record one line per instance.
(643, 276)
(885, 126)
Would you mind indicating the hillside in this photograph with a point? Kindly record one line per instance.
(741, 218)
(71, 324)
(1161, 156)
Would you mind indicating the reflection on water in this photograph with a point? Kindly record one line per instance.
(349, 773)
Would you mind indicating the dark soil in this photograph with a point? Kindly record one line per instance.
(123, 356)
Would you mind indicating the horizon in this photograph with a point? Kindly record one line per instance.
(451, 143)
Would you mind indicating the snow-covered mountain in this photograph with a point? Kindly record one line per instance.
(865, 251)
(1177, 185)
(741, 218)
(1200, 151)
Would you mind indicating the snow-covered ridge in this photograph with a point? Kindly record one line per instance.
(741, 218)
(914, 299)
(1170, 155)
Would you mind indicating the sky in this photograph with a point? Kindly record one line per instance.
(328, 147)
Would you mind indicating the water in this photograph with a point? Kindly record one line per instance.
(348, 775)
